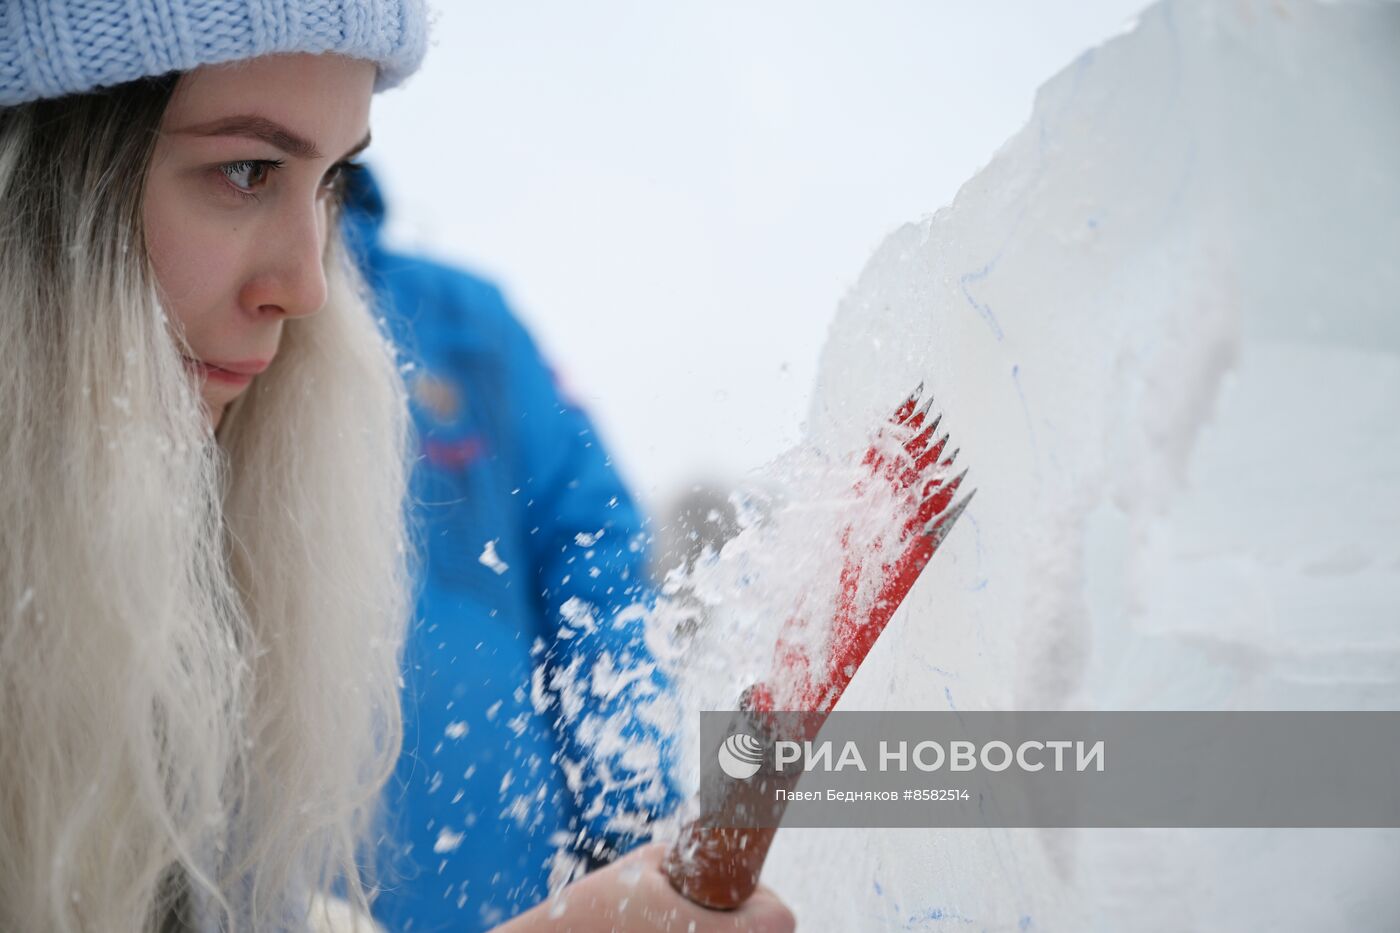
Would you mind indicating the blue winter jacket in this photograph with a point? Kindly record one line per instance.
(532, 546)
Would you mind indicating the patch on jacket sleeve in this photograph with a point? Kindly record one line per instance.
(454, 454)
(439, 397)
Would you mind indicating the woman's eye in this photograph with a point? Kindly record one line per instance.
(248, 175)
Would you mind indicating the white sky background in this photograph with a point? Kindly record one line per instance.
(675, 195)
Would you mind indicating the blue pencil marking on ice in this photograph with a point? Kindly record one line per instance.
(977, 544)
(1025, 409)
(949, 694)
(936, 914)
(1025, 923)
(982, 308)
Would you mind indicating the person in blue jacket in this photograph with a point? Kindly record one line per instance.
(528, 632)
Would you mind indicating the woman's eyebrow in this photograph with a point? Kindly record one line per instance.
(269, 131)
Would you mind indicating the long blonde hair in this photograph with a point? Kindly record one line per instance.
(200, 637)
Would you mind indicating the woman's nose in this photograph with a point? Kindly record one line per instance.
(291, 280)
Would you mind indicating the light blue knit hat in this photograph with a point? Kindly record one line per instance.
(49, 48)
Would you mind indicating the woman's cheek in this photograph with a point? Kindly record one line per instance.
(193, 263)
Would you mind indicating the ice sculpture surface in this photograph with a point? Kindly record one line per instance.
(1164, 322)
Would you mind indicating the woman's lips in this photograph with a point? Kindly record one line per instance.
(238, 373)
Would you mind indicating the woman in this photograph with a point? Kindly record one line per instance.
(203, 574)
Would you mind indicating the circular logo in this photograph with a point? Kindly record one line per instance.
(741, 756)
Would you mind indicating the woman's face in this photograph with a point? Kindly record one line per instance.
(237, 204)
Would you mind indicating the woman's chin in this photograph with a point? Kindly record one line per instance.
(217, 402)
(214, 412)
